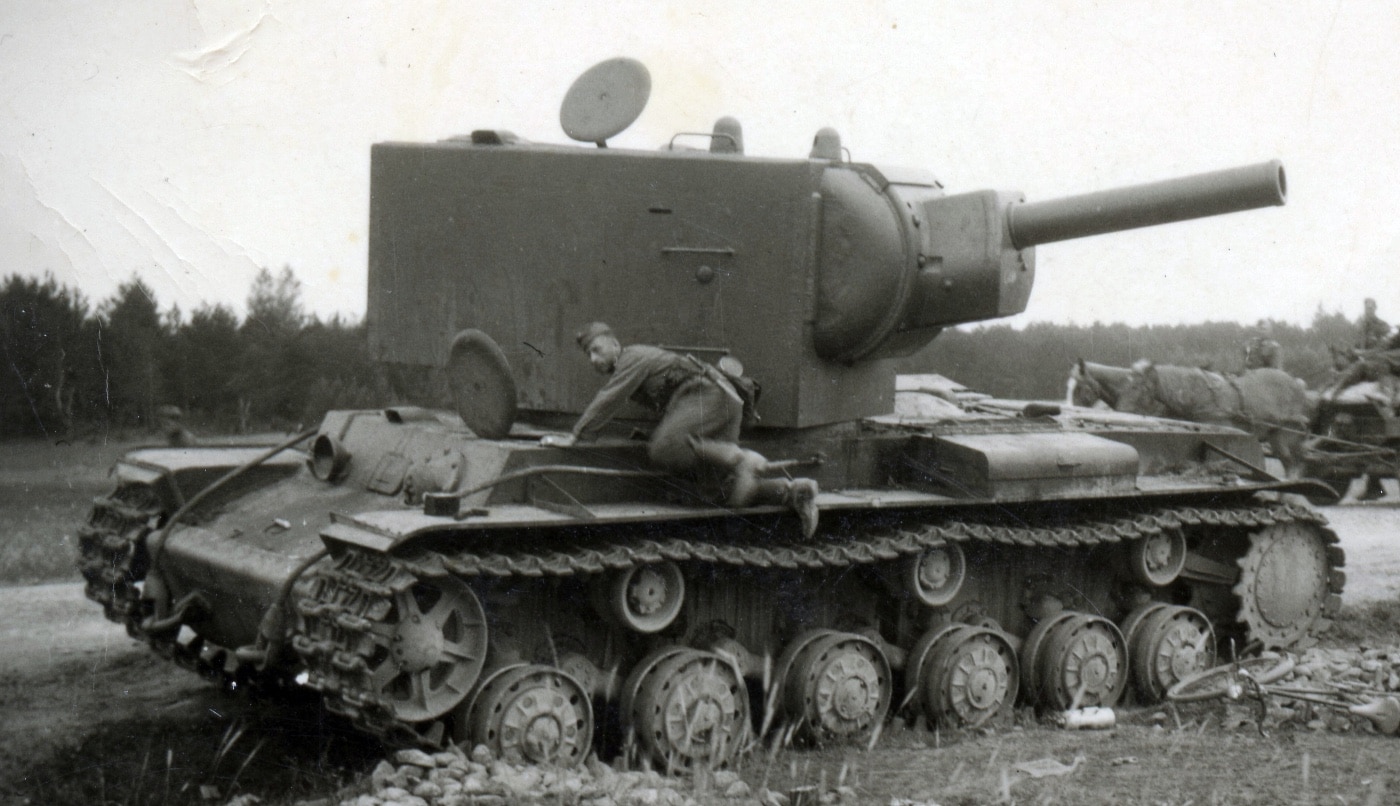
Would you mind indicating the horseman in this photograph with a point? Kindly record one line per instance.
(1380, 364)
(1374, 329)
(1262, 350)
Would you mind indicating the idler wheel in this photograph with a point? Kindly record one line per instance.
(1157, 560)
(836, 686)
(646, 598)
(936, 576)
(1283, 583)
(688, 708)
(1079, 660)
(430, 648)
(1167, 645)
(529, 714)
(969, 674)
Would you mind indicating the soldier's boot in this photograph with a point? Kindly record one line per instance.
(802, 497)
(798, 494)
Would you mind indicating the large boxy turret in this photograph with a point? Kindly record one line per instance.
(811, 270)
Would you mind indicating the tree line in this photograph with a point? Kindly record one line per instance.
(72, 368)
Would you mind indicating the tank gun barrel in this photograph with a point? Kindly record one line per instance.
(1208, 194)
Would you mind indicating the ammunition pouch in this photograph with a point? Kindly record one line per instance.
(742, 388)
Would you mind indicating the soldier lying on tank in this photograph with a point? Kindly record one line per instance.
(700, 417)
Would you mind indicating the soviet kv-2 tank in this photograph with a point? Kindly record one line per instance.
(441, 575)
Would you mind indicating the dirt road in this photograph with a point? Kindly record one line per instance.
(89, 715)
(1370, 533)
(74, 688)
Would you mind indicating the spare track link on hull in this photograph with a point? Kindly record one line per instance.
(343, 600)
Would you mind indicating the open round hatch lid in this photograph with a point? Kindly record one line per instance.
(483, 389)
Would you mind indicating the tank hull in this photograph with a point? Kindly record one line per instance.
(946, 545)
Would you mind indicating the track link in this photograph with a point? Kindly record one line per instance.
(112, 559)
(341, 600)
(111, 551)
(912, 536)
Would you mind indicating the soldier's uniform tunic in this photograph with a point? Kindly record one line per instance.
(690, 404)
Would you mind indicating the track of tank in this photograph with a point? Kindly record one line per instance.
(694, 644)
(112, 559)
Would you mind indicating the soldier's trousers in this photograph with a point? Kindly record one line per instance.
(698, 410)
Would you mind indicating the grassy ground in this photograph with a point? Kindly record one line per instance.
(1372, 624)
(1136, 763)
(46, 490)
(202, 750)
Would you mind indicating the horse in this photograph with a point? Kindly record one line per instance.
(1267, 402)
(1097, 385)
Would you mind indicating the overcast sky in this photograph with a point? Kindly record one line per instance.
(194, 142)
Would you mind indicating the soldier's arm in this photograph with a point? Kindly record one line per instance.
(629, 373)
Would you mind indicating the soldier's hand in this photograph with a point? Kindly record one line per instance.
(557, 440)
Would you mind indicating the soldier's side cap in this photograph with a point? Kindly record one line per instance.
(591, 331)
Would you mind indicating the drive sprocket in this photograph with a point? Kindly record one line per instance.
(1287, 582)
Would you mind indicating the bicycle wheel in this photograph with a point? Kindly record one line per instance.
(1213, 683)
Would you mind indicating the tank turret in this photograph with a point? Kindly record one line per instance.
(810, 270)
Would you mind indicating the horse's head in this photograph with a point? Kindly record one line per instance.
(1096, 385)
(1081, 389)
